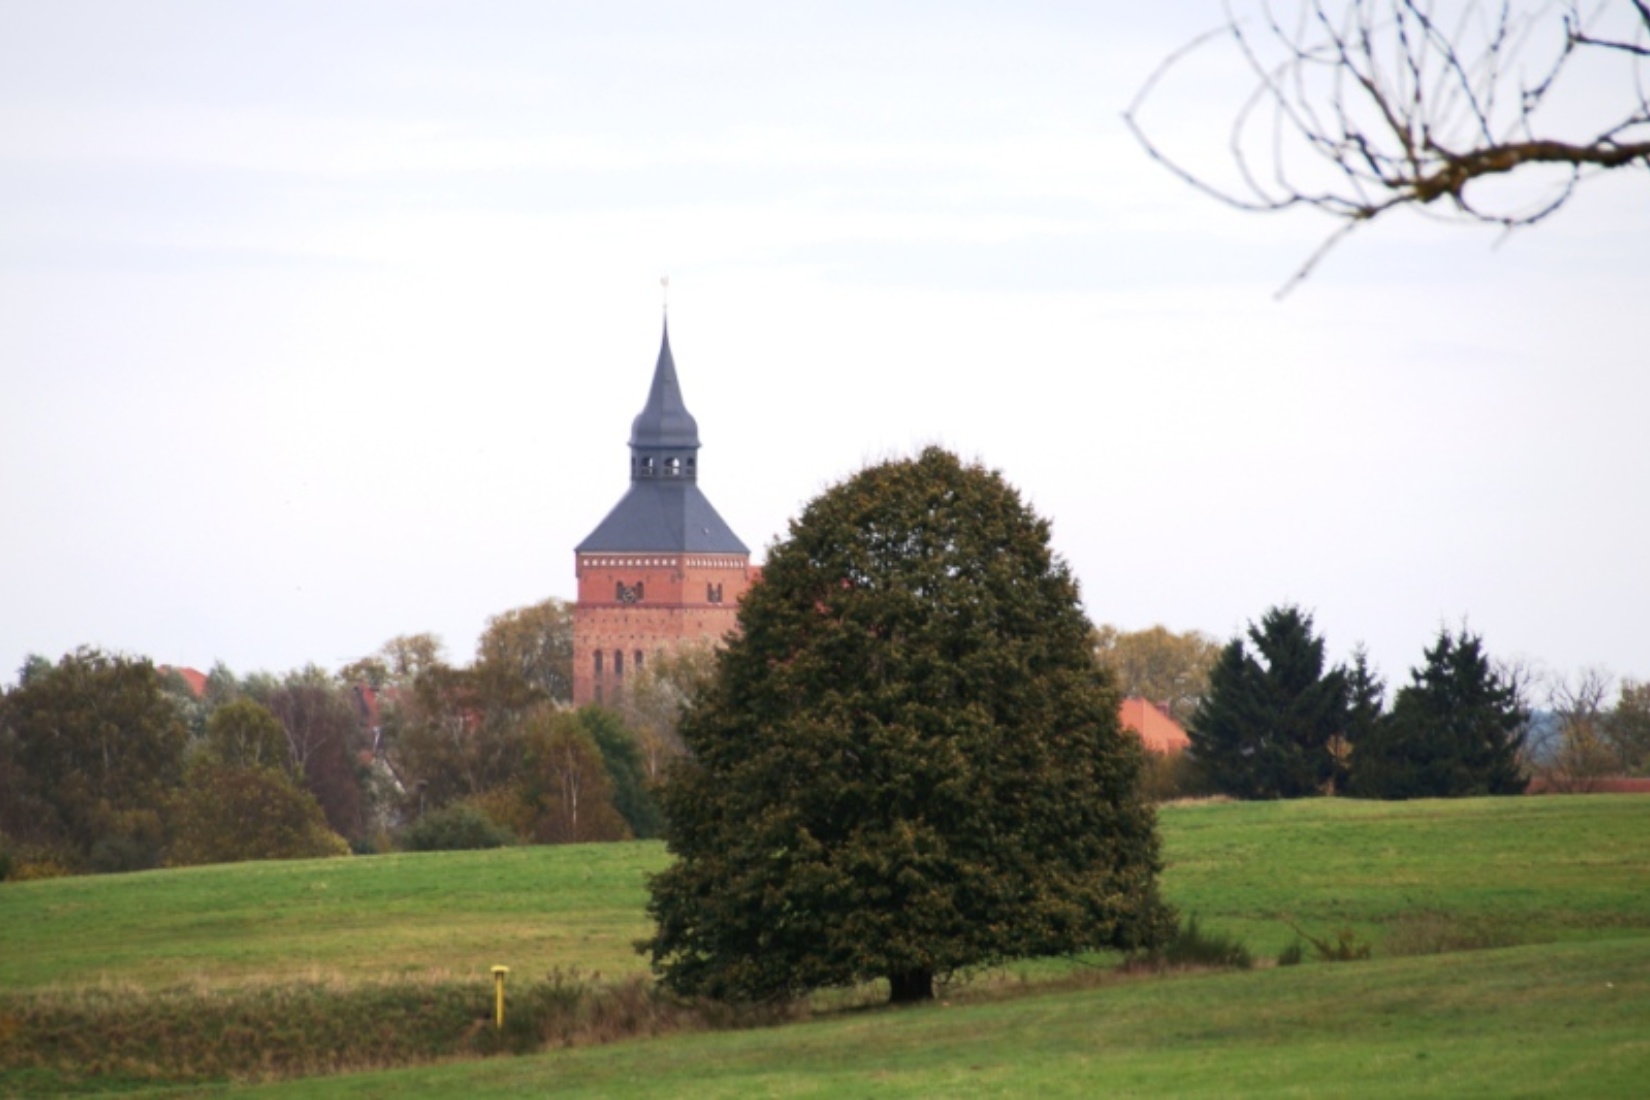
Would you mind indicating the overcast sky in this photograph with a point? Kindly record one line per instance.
(325, 322)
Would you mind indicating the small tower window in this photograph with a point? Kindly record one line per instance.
(598, 656)
(713, 593)
(638, 657)
(618, 663)
(673, 467)
(647, 466)
(692, 464)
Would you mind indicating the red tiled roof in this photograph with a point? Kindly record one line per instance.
(1156, 730)
(193, 677)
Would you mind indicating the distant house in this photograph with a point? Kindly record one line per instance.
(193, 678)
(1152, 724)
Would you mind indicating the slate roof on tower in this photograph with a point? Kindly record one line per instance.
(664, 511)
(664, 421)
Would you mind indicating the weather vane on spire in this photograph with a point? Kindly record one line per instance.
(664, 294)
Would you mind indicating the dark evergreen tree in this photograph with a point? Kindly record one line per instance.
(1454, 731)
(1267, 727)
(1365, 711)
(623, 759)
(906, 763)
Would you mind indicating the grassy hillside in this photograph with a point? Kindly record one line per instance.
(361, 917)
(1407, 878)
(1512, 870)
(1506, 870)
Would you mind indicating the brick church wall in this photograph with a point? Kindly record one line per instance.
(666, 600)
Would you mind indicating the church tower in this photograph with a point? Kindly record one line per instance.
(663, 568)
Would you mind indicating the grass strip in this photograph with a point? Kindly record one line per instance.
(1553, 1020)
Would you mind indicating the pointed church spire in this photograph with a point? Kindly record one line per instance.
(664, 511)
(664, 421)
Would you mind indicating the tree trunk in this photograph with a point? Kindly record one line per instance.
(910, 987)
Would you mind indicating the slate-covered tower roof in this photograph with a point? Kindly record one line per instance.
(664, 511)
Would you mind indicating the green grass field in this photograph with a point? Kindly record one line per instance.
(406, 915)
(1554, 891)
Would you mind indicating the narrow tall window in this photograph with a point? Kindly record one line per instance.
(673, 467)
(618, 663)
(598, 656)
(638, 656)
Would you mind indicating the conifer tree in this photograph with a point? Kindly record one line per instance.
(1365, 711)
(1455, 730)
(906, 763)
(1265, 729)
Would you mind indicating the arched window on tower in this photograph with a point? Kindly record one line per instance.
(618, 663)
(598, 656)
(647, 466)
(638, 659)
(673, 467)
(692, 466)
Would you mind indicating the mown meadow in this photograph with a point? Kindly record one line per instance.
(1508, 941)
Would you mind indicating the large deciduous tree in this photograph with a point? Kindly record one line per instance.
(565, 783)
(907, 762)
(1484, 112)
(533, 644)
(227, 813)
(246, 734)
(323, 732)
(653, 698)
(459, 733)
(1268, 726)
(97, 747)
(1455, 730)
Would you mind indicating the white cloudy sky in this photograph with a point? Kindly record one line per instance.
(324, 322)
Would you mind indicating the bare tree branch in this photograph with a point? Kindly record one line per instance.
(1373, 105)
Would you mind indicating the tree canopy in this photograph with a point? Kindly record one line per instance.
(906, 763)
(1267, 727)
(95, 746)
(533, 644)
(1455, 730)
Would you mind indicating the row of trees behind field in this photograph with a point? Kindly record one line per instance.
(1270, 717)
(109, 762)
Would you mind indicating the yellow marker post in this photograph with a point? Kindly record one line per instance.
(498, 995)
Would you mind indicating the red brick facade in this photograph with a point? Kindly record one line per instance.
(634, 607)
